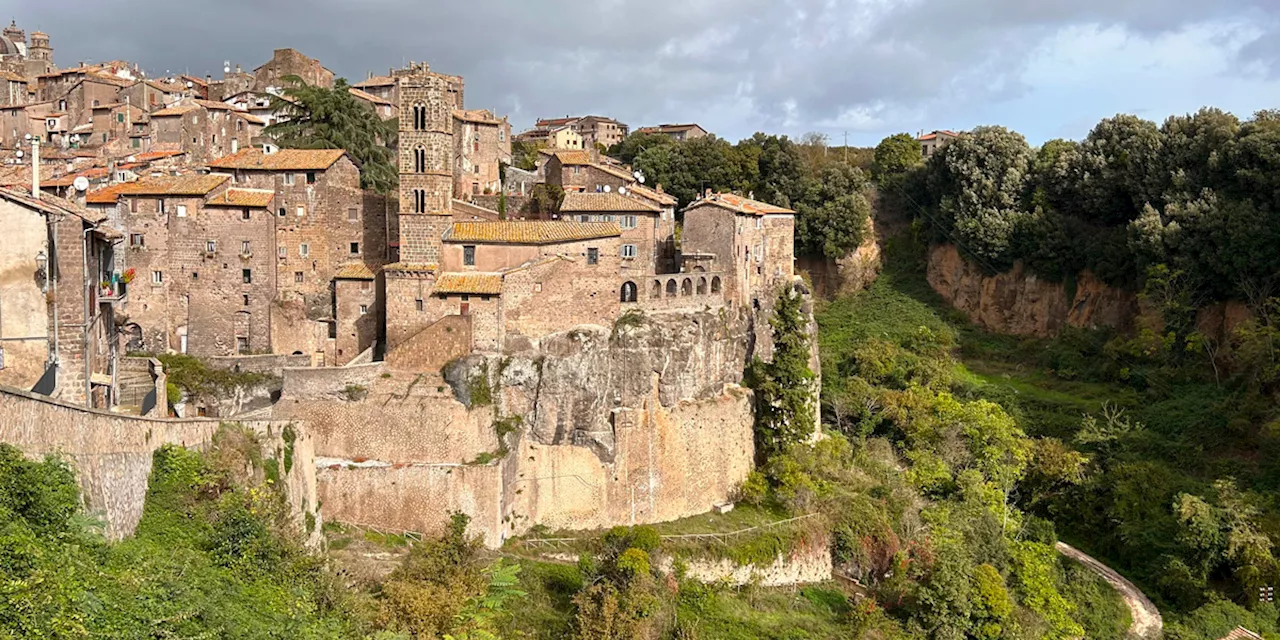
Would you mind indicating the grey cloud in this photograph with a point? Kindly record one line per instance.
(734, 65)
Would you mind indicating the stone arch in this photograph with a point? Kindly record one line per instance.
(419, 116)
(715, 284)
(657, 290)
(702, 286)
(134, 331)
(419, 159)
(699, 269)
(671, 288)
(686, 287)
(629, 291)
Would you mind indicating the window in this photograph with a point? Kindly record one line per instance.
(182, 211)
(119, 117)
(244, 248)
(137, 240)
(311, 177)
(365, 285)
(239, 125)
(419, 160)
(242, 344)
(283, 252)
(282, 212)
(246, 275)
(628, 251)
(214, 139)
(288, 179)
(628, 222)
(364, 309)
(469, 255)
(418, 304)
(245, 215)
(924, 150)
(195, 275)
(355, 248)
(104, 137)
(302, 210)
(157, 277)
(477, 168)
(133, 205)
(160, 205)
(246, 299)
(297, 277)
(419, 201)
(304, 249)
(593, 256)
(210, 246)
(502, 135)
(419, 117)
(353, 214)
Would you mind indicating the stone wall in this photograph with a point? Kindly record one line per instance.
(317, 382)
(273, 364)
(112, 453)
(432, 347)
(1017, 302)
(809, 563)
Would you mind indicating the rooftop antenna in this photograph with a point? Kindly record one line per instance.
(226, 66)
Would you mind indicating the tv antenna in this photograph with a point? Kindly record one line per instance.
(226, 66)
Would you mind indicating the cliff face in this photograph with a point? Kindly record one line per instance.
(1017, 302)
(598, 426)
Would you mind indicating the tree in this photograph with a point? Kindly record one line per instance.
(1121, 164)
(524, 155)
(832, 217)
(784, 386)
(313, 117)
(636, 143)
(896, 155)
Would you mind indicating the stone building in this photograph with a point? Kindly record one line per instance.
(19, 57)
(647, 241)
(482, 143)
(255, 103)
(19, 121)
(76, 91)
(58, 297)
(357, 311)
(205, 130)
(560, 137)
(291, 62)
(385, 108)
(677, 132)
(593, 132)
(13, 89)
(749, 241)
(931, 142)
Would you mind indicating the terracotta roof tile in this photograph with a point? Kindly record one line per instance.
(214, 104)
(12, 77)
(572, 157)
(109, 195)
(51, 204)
(668, 128)
(66, 180)
(479, 116)
(282, 160)
(530, 231)
(188, 185)
(376, 81)
(575, 202)
(368, 97)
(660, 198)
(425, 267)
(614, 171)
(152, 156)
(175, 110)
(1240, 633)
(255, 198)
(354, 271)
(248, 117)
(934, 134)
(739, 204)
(470, 283)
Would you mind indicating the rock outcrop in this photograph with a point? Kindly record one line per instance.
(1017, 302)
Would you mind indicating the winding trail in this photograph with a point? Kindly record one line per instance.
(1147, 622)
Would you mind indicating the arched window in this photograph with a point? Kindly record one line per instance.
(686, 287)
(419, 160)
(419, 201)
(671, 288)
(628, 292)
(702, 286)
(657, 290)
(715, 284)
(134, 331)
(419, 117)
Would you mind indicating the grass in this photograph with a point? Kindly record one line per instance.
(547, 611)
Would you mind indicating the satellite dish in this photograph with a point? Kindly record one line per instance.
(190, 84)
(81, 183)
(607, 188)
(19, 153)
(640, 179)
(75, 137)
(26, 136)
(622, 190)
(226, 66)
(132, 158)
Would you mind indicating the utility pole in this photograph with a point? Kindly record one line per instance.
(846, 147)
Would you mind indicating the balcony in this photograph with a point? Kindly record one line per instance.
(112, 291)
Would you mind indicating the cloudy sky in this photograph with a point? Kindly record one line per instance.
(1047, 68)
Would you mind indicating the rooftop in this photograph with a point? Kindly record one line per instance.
(354, 271)
(575, 202)
(530, 231)
(470, 283)
(668, 128)
(570, 157)
(376, 81)
(254, 198)
(282, 160)
(368, 97)
(51, 204)
(934, 134)
(189, 185)
(740, 204)
(656, 196)
(479, 116)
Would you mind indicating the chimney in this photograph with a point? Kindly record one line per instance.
(659, 185)
(35, 168)
(708, 192)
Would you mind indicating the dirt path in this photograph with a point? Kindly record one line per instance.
(1146, 618)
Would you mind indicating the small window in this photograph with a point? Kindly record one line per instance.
(195, 275)
(160, 205)
(311, 177)
(418, 304)
(245, 297)
(628, 222)
(297, 277)
(628, 251)
(246, 275)
(355, 248)
(137, 240)
(133, 205)
(182, 211)
(304, 249)
(365, 285)
(302, 210)
(244, 247)
(469, 255)
(759, 223)
(283, 251)
(157, 277)
(242, 344)
(593, 256)
(364, 309)
(283, 213)
(353, 214)
(119, 117)
(288, 179)
(210, 246)
(245, 215)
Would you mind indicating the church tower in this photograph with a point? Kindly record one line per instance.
(426, 161)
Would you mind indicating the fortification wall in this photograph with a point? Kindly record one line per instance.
(112, 453)
(318, 382)
(269, 363)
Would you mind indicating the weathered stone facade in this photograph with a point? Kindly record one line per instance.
(204, 130)
(291, 62)
(482, 143)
